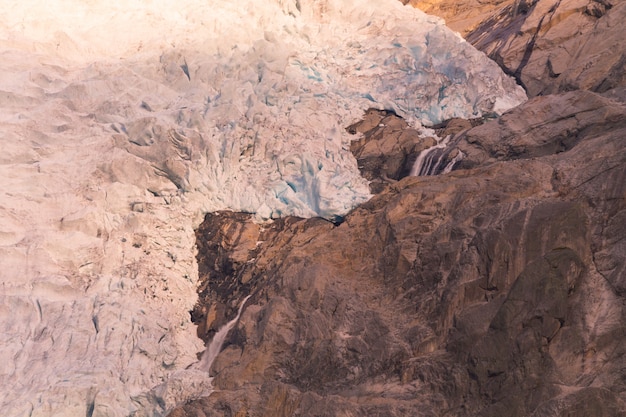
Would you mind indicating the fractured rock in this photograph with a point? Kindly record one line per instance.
(487, 291)
(549, 46)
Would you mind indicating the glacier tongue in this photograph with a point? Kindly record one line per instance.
(123, 122)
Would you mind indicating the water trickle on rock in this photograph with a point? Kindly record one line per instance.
(434, 160)
(214, 348)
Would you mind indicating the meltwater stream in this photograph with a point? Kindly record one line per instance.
(214, 348)
(431, 160)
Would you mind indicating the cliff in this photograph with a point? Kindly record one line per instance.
(495, 289)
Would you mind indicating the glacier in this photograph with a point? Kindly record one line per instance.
(124, 122)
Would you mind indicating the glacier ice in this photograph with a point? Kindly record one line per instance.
(123, 122)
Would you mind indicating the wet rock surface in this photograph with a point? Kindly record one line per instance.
(387, 149)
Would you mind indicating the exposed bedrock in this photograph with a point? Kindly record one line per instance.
(543, 126)
(388, 147)
(497, 289)
(549, 46)
(494, 290)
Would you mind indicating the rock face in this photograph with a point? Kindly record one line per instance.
(549, 46)
(460, 15)
(387, 148)
(495, 290)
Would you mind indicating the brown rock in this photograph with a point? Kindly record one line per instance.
(476, 292)
(542, 126)
(461, 16)
(497, 289)
(387, 148)
(549, 46)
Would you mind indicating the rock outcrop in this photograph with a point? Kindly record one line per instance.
(496, 289)
(549, 46)
(387, 148)
(460, 15)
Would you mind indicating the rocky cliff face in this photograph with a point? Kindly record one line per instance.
(497, 289)
(549, 46)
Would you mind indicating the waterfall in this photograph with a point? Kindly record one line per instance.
(215, 346)
(423, 164)
(429, 160)
(453, 162)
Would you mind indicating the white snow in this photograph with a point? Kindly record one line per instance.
(123, 122)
